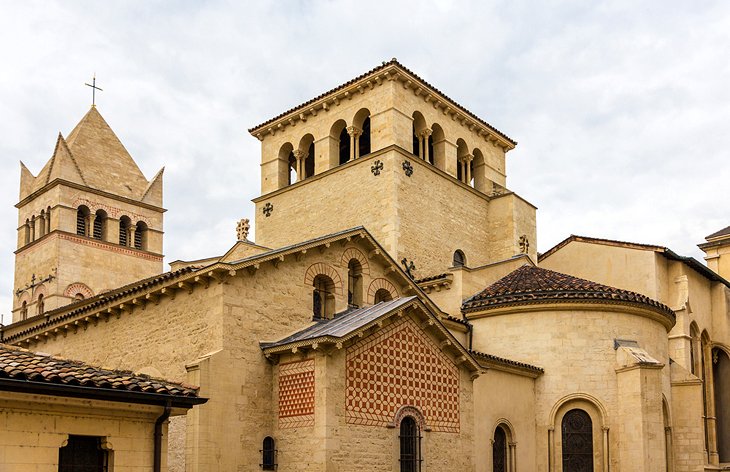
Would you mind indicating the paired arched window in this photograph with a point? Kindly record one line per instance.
(268, 454)
(100, 224)
(459, 258)
(354, 283)
(323, 297)
(140, 235)
(410, 445)
(82, 221)
(577, 437)
(124, 224)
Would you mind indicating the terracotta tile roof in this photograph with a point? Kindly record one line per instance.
(530, 285)
(23, 365)
(717, 234)
(384, 65)
(507, 362)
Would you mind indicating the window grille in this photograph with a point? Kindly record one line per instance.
(577, 441)
(83, 454)
(410, 445)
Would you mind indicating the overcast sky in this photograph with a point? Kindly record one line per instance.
(621, 109)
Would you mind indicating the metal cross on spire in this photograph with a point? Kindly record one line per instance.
(94, 88)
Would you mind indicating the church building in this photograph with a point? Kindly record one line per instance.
(392, 314)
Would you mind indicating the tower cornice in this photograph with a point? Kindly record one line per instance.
(388, 71)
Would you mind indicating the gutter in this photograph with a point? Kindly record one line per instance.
(157, 465)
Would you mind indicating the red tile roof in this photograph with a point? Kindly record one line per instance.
(530, 285)
(23, 365)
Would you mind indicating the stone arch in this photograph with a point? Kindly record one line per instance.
(599, 419)
(412, 411)
(78, 288)
(352, 253)
(324, 269)
(361, 124)
(339, 143)
(376, 285)
(438, 138)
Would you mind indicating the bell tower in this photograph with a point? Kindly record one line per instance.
(390, 152)
(88, 222)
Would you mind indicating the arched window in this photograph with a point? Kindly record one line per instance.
(100, 225)
(577, 435)
(499, 450)
(41, 304)
(354, 283)
(140, 235)
(344, 146)
(323, 297)
(383, 295)
(268, 454)
(410, 445)
(459, 258)
(82, 221)
(721, 379)
(24, 310)
(124, 225)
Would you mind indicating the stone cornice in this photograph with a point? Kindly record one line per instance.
(74, 185)
(388, 72)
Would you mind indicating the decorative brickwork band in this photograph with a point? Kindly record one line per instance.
(400, 366)
(296, 394)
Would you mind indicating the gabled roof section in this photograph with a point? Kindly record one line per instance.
(534, 285)
(25, 371)
(665, 251)
(354, 323)
(387, 70)
(103, 160)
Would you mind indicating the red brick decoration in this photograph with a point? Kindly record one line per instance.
(397, 366)
(296, 394)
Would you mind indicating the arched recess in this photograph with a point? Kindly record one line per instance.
(78, 288)
(352, 253)
(286, 166)
(324, 269)
(361, 123)
(339, 144)
(695, 351)
(438, 139)
(479, 176)
(599, 427)
(463, 161)
(378, 284)
(721, 381)
(504, 447)
(305, 157)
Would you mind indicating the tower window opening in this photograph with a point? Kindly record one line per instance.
(82, 221)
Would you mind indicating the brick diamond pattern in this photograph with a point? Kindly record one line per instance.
(296, 394)
(398, 366)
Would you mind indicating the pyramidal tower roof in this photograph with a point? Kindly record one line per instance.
(93, 156)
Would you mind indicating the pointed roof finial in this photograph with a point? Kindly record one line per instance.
(94, 88)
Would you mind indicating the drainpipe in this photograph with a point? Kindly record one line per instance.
(158, 437)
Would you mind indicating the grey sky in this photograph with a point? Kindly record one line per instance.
(621, 108)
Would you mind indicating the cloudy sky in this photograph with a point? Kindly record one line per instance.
(621, 109)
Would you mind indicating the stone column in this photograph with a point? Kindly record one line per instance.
(354, 133)
(300, 156)
(423, 140)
